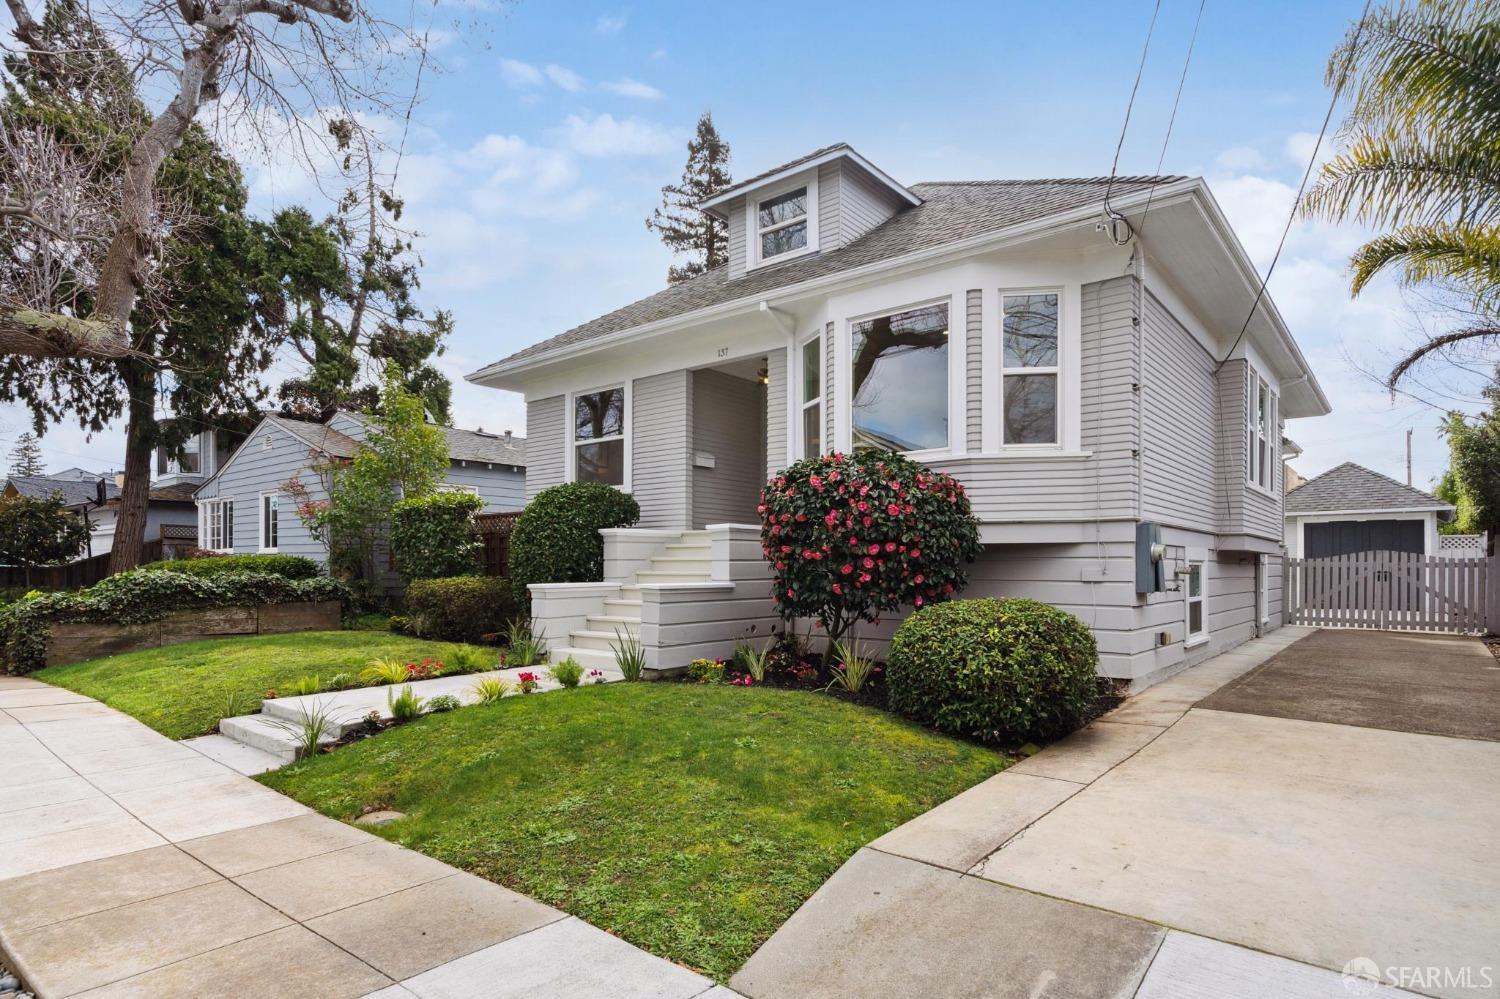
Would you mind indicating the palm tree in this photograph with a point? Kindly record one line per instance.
(1423, 154)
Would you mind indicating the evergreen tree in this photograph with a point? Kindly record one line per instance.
(683, 227)
(39, 532)
(26, 456)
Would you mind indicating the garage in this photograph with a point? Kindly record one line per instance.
(1349, 537)
(1351, 510)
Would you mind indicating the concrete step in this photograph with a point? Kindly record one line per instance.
(700, 566)
(671, 577)
(699, 537)
(587, 658)
(704, 550)
(628, 609)
(270, 736)
(588, 638)
(630, 592)
(610, 623)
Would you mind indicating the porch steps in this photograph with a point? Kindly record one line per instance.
(686, 560)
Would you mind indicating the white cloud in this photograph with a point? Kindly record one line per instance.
(519, 74)
(606, 135)
(1299, 148)
(626, 87)
(609, 24)
(1240, 158)
(565, 78)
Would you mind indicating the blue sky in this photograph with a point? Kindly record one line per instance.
(543, 141)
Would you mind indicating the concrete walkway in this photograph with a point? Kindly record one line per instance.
(1169, 850)
(132, 865)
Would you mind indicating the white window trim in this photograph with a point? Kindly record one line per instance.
(1271, 437)
(800, 405)
(1192, 639)
(570, 429)
(205, 519)
(753, 258)
(1069, 373)
(843, 383)
(458, 487)
(262, 523)
(1265, 590)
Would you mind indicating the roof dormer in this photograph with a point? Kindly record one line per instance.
(816, 203)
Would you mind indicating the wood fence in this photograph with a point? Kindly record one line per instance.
(495, 529)
(1392, 591)
(74, 575)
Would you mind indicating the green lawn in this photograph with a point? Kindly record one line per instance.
(180, 690)
(689, 820)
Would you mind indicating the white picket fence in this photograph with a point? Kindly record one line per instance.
(1392, 591)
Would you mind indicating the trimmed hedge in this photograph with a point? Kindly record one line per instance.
(434, 536)
(457, 608)
(1003, 671)
(286, 566)
(556, 538)
(140, 596)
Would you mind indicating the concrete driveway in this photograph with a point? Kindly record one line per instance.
(1259, 847)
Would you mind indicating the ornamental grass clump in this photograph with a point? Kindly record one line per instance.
(1000, 671)
(852, 537)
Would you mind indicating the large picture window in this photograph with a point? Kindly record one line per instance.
(812, 397)
(599, 436)
(218, 525)
(781, 223)
(900, 380)
(1029, 368)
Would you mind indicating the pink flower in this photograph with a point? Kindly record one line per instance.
(918, 601)
(831, 519)
(838, 589)
(918, 579)
(868, 521)
(863, 506)
(846, 568)
(875, 549)
(869, 563)
(890, 546)
(892, 509)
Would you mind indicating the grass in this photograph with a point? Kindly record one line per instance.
(182, 690)
(689, 820)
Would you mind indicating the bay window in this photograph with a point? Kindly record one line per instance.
(812, 397)
(599, 436)
(1029, 368)
(899, 380)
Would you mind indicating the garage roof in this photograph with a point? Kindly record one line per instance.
(1350, 487)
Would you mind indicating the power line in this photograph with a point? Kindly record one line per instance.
(1172, 119)
(1114, 167)
(1312, 160)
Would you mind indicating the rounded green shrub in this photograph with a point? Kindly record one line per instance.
(435, 536)
(457, 608)
(556, 538)
(285, 566)
(1002, 671)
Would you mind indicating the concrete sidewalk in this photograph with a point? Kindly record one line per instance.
(1168, 850)
(132, 865)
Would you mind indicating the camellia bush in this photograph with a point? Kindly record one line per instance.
(1003, 671)
(433, 537)
(852, 537)
(556, 538)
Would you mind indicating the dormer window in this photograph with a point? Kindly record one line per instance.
(783, 221)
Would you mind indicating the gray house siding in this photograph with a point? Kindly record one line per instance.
(830, 194)
(735, 209)
(267, 459)
(974, 369)
(500, 490)
(728, 425)
(544, 444)
(1179, 425)
(776, 404)
(661, 459)
(864, 203)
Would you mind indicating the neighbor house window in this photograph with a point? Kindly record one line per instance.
(269, 534)
(218, 525)
(781, 223)
(1196, 628)
(1262, 433)
(1029, 368)
(899, 380)
(812, 397)
(599, 436)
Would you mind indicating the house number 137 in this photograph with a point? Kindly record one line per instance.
(723, 351)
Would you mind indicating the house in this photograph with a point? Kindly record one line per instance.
(1101, 384)
(243, 506)
(94, 497)
(1351, 509)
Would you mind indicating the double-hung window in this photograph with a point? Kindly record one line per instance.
(1261, 420)
(1029, 368)
(269, 531)
(812, 397)
(1197, 628)
(899, 380)
(781, 224)
(218, 525)
(599, 436)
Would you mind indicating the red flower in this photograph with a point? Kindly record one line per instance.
(893, 509)
(875, 549)
(846, 568)
(869, 563)
(918, 601)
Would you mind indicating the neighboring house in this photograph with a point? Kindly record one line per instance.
(243, 506)
(1352, 509)
(92, 497)
(1081, 377)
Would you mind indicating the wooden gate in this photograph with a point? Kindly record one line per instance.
(1392, 591)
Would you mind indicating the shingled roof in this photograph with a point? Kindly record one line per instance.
(950, 211)
(1354, 487)
(74, 491)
